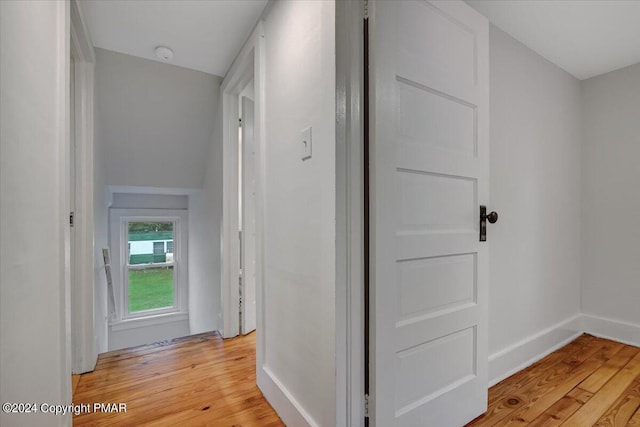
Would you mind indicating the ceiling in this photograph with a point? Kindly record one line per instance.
(204, 35)
(584, 37)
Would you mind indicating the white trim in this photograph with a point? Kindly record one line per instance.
(246, 66)
(80, 34)
(142, 322)
(260, 175)
(164, 191)
(230, 249)
(616, 330)
(247, 218)
(84, 352)
(288, 408)
(516, 357)
(349, 215)
(118, 218)
(62, 237)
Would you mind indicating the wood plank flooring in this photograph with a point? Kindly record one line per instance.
(200, 380)
(589, 382)
(205, 381)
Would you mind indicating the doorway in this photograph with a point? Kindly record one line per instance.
(80, 199)
(242, 192)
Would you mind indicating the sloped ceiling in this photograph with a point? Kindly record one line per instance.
(155, 120)
(205, 35)
(584, 37)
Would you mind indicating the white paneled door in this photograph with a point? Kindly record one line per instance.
(429, 148)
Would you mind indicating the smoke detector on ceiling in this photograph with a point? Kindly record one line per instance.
(164, 53)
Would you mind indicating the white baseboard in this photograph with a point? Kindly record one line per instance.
(502, 364)
(286, 406)
(616, 330)
(518, 356)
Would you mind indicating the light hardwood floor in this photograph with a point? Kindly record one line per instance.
(589, 382)
(194, 381)
(203, 380)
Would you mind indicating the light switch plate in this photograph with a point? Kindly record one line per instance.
(305, 141)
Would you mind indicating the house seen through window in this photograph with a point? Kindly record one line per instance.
(151, 282)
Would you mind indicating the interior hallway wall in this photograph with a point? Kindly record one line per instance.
(610, 197)
(535, 187)
(299, 222)
(205, 221)
(35, 360)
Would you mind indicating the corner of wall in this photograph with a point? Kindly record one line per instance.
(616, 330)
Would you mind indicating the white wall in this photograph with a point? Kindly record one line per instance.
(156, 121)
(35, 363)
(535, 187)
(299, 222)
(147, 334)
(205, 211)
(610, 196)
(204, 261)
(205, 217)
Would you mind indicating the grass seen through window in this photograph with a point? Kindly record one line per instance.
(151, 288)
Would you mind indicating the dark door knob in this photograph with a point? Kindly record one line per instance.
(484, 217)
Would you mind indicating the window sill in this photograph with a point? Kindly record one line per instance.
(153, 320)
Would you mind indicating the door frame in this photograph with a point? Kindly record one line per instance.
(248, 214)
(84, 349)
(248, 65)
(350, 218)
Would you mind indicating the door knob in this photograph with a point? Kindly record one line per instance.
(492, 217)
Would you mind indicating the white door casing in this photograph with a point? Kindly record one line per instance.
(429, 173)
(248, 245)
(84, 325)
(248, 65)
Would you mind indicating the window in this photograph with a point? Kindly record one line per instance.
(151, 280)
(158, 248)
(151, 283)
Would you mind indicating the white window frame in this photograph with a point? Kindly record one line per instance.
(119, 220)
